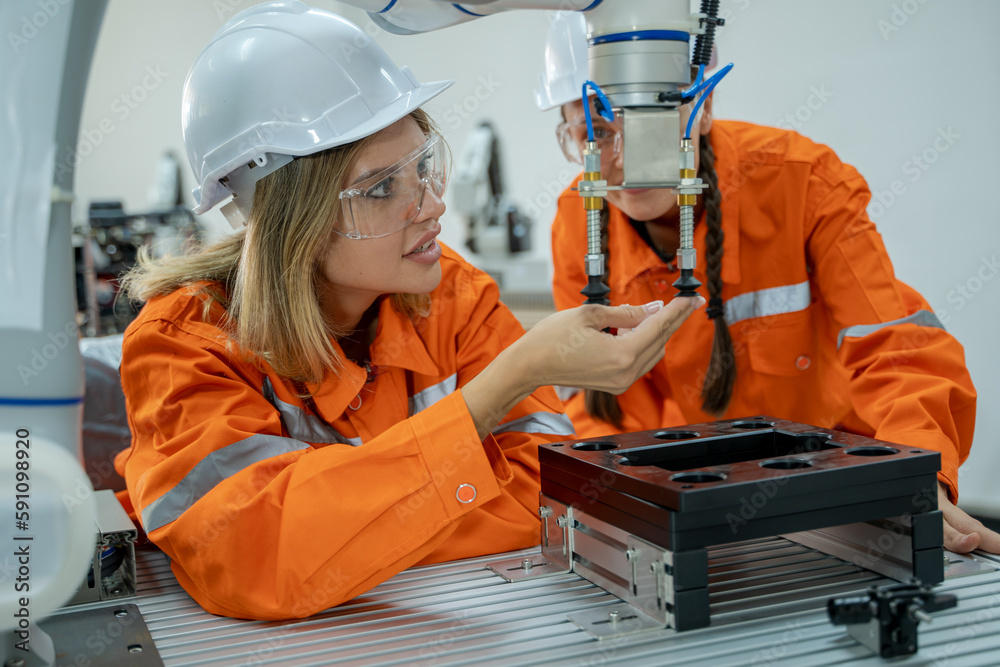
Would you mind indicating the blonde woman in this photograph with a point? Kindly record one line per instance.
(330, 395)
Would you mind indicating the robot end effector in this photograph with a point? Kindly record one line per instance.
(638, 53)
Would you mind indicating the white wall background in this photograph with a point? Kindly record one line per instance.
(884, 82)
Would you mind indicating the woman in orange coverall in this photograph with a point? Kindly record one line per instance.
(806, 320)
(329, 396)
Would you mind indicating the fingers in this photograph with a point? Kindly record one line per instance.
(621, 317)
(962, 533)
(661, 325)
(959, 542)
(967, 533)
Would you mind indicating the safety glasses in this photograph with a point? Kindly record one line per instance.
(572, 138)
(386, 202)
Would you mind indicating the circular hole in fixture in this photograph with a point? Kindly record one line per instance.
(753, 424)
(557, 444)
(871, 451)
(595, 446)
(686, 486)
(697, 477)
(785, 464)
(676, 435)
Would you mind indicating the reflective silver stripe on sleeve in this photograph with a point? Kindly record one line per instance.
(428, 397)
(303, 426)
(215, 468)
(538, 422)
(770, 301)
(922, 318)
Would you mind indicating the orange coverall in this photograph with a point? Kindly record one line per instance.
(823, 332)
(270, 506)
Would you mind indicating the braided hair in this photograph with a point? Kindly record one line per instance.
(720, 376)
(717, 390)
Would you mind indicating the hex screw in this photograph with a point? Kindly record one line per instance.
(545, 511)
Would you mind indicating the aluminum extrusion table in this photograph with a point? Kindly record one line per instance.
(768, 601)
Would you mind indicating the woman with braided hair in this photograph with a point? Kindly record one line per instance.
(806, 319)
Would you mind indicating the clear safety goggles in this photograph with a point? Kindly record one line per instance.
(386, 202)
(572, 137)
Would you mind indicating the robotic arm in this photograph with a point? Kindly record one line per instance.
(639, 57)
(496, 228)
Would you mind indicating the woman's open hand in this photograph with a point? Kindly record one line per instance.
(570, 348)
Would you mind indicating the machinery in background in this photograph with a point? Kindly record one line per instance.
(498, 234)
(495, 227)
(107, 246)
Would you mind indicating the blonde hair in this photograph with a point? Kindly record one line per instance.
(266, 276)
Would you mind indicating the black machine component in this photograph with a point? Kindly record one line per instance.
(886, 618)
(666, 495)
(109, 248)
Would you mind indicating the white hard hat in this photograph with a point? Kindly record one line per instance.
(281, 80)
(565, 61)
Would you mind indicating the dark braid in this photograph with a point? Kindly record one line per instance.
(721, 374)
(720, 377)
(601, 404)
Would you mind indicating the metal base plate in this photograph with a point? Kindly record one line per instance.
(518, 569)
(615, 621)
(112, 636)
(964, 565)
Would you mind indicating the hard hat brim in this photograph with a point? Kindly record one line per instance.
(214, 192)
